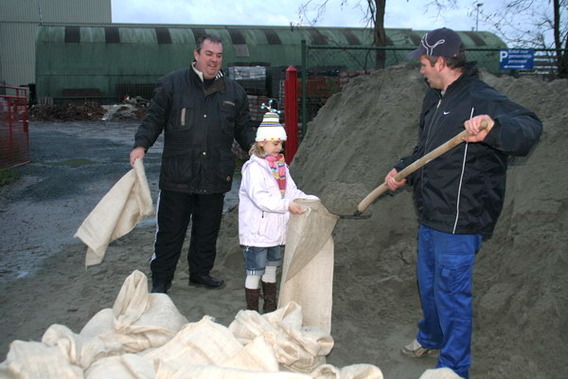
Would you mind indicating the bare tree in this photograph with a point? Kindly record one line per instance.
(374, 16)
(561, 37)
(376, 13)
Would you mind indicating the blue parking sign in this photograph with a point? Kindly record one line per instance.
(516, 59)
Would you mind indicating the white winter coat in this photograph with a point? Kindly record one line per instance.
(263, 213)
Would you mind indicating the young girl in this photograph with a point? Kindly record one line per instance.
(266, 199)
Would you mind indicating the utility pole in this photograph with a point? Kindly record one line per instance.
(477, 17)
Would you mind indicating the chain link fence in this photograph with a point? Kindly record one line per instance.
(323, 76)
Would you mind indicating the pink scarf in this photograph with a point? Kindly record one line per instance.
(278, 167)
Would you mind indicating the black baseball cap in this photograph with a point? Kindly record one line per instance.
(441, 42)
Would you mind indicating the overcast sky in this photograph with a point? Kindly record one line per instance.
(399, 13)
(413, 14)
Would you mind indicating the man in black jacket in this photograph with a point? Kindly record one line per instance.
(200, 112)
(459, 195)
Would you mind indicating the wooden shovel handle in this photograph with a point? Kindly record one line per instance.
(417, 164)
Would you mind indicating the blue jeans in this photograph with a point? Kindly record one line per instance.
(444, 270)
(257, 258)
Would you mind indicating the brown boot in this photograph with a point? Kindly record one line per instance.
(269, 294)
(252, 298)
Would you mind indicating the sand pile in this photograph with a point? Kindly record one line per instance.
(521, 300)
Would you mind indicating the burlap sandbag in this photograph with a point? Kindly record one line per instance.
(199, 343)
(36, 360)
(211, 372)
(126, 204)
(152, 317)
(125, 366)
(440, 373)
(144, 336)
(202, 343)
(307, 272)
(357, 371)
(297, 348)
(206, 349)
(138, 321)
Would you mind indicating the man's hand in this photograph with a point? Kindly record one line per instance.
(392, 183)
(136, 153)
(473, 127)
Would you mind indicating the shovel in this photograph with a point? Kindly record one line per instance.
(417, 164)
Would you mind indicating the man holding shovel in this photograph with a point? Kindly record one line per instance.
(460, 194)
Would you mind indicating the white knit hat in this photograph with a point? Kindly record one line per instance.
(270, 129)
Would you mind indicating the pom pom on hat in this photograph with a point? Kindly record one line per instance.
(270, 129)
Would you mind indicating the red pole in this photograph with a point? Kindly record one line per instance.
(291, 112)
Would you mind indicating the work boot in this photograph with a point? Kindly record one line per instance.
(269, 295)
(415, 350)
(159, 286)
(252, 298)
(205, 280)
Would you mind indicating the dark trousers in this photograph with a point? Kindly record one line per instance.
(174, 212)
